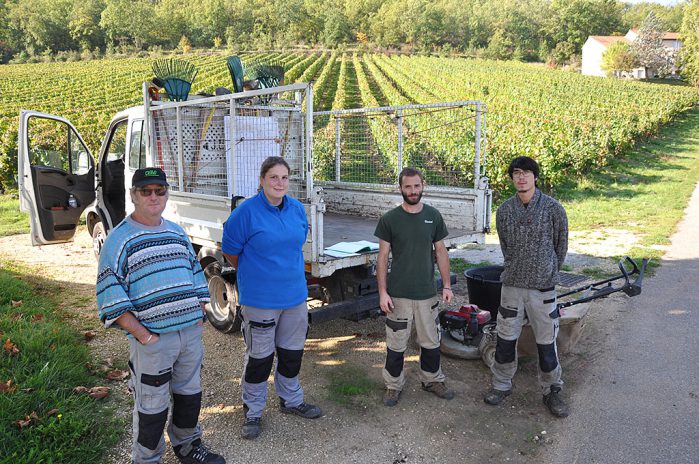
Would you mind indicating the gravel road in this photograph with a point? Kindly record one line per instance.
(358, 429)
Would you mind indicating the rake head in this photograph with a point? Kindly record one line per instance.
(176, 75)
(268, 74)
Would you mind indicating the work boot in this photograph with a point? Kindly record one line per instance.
(555, 403)
(495, 397)
(305, 410)
(439, 389)
(251, 428)
(198, 454)
(391, 397)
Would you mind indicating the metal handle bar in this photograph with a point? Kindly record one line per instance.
(593, 290)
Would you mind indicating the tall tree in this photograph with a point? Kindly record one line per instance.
(572, 21)
(137, 27)
(648, 46)
(670, 17)
(40, 25)
(84, 23)
(690, 37)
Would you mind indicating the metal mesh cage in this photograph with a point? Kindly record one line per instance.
(216, 147)
(371, 146)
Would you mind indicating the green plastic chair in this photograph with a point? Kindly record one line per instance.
(235, 67)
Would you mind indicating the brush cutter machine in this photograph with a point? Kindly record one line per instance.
(471, 333)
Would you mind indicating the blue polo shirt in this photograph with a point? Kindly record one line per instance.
(269, 244)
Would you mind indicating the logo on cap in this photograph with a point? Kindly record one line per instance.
(151, 173)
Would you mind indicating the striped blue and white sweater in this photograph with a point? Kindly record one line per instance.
(152, 272)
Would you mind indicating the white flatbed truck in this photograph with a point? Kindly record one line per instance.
(344, 170)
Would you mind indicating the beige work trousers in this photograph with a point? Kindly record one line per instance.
(399, 324)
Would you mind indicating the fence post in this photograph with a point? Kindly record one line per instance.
(338, 148)
(399, 128)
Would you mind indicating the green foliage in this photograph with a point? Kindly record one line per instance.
(185, 45)
(618, 58)
(572, 21)
(12, 221)
(50, 360)
(29, 28)
(350, 386)
(572, 124)
(690, 36)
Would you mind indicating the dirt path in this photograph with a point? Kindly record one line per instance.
(422, 429)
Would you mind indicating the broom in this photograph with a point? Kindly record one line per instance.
(176, 75)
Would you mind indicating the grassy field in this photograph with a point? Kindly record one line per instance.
(43, 359)
(12, 221)
(644, 193)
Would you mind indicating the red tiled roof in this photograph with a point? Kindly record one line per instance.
(666, 35)
(607, 40)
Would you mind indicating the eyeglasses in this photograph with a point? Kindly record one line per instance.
(519, 173)
(146, 192)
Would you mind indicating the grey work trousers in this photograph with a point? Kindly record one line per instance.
(266, 332)
(399, 322)
(539, 307)
(169, 368)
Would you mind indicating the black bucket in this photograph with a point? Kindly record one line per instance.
(484, 287)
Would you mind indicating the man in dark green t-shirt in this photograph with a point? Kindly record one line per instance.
(409, 232)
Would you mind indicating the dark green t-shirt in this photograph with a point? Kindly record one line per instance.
(412, 237)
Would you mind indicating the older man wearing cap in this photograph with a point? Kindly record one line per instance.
(151, 285)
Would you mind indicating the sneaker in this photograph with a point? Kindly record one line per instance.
(305, 410)
(555, 403)
(391, 397)
(439, 389)
(251, 428)
(495, 397)
(199, 454)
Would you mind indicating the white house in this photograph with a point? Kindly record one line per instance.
(596, 45)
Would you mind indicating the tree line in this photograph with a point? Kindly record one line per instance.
(503, 29)
(528, 30)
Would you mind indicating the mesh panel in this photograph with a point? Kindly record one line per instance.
(221, 155)
(375, 144)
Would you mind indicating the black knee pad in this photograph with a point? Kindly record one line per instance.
(507, 313)
(150, 428)
(257, 370)
(548, 360)
(429, 359)
(394, 362)
(185, 410)
(505, 351)
(289, 362)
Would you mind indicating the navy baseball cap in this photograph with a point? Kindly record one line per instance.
(148, 176)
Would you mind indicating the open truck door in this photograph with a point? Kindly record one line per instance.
(56, 176)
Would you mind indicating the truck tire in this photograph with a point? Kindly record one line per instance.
(98, 237)
(223, 311)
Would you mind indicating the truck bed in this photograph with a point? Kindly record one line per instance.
(348, 228)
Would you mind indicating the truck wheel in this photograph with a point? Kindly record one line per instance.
(223, 311)
(98, 237)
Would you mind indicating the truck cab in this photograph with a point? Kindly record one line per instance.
(59, 179)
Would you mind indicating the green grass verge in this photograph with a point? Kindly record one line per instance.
(12, 221)
(459, 265)
(350, 386)
(645, 193)
(42, 360)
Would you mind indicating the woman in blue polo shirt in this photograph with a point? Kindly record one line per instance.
(263, 239)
